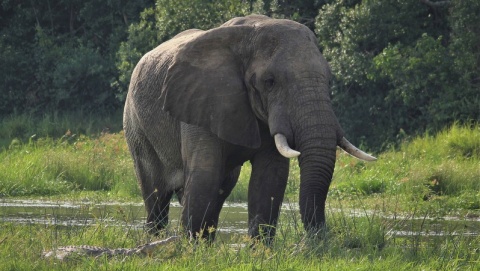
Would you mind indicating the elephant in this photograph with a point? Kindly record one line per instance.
(204, 102)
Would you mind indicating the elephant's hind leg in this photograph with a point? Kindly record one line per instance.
(157, 207)
(150, 175)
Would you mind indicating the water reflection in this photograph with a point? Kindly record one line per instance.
(233, 219)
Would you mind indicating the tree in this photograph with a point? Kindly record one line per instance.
(60, 53)
(395, 67)
(302, 11)
(400, 67)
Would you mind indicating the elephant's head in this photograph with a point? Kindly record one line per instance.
(256, 69)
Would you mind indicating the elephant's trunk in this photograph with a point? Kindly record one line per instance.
(316, 134)
(317, 163)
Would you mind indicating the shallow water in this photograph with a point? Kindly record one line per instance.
(233, 218)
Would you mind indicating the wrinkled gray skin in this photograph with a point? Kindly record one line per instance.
(203, 103)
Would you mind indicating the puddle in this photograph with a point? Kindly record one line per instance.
(233, 218)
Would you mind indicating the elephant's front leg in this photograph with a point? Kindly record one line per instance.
(265, 193)
(204, 173)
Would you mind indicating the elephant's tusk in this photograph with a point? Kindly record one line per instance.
(354, 151)
(283, 148)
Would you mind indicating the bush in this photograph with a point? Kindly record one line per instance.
(60, 56)
(401, 68)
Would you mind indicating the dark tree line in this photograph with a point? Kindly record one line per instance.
(60, 54)
(400, 67)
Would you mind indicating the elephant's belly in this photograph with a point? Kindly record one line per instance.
(175, 180)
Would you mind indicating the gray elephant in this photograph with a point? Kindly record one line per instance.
(201, 104)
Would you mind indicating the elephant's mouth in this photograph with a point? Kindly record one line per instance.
(285, 150)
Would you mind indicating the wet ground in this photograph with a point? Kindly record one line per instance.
(233, 219)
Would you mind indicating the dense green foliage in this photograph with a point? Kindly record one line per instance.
(24, 128)
(60, 55)
(400, 67)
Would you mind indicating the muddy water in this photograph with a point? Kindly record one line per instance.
(233, 219)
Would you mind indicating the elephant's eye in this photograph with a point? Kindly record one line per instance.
(269, 83)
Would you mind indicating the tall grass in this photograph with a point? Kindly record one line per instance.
(16, 129)
(427, 177)
(358, 242)
(50, 167)
(444, 168)
(359, 234)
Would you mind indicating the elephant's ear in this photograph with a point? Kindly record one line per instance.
(204, 86)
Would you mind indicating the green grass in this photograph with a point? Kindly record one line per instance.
(48, 167)
(430, 176)
(21, 129)
(443, 168)
(359, 243)
(441, 171)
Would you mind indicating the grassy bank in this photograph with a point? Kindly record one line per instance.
(431, 176)
(352, 243)
(440, 171)
(69, 165)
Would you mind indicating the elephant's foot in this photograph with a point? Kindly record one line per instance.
(263, 233)
(154, 228)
